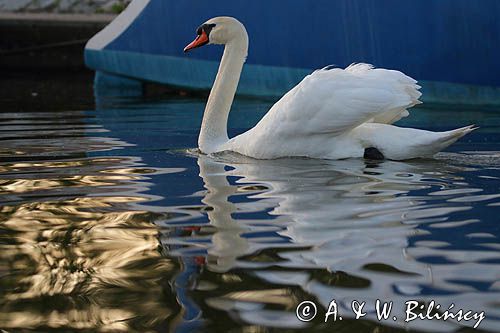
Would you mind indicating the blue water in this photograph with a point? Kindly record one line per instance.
(111, 221)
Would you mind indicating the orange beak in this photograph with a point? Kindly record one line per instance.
(200, 40)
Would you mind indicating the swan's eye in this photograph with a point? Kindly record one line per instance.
(205, 27)
(208, 28)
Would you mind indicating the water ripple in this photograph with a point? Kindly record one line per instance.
(107, 223)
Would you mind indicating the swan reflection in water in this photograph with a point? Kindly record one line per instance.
(348, 229)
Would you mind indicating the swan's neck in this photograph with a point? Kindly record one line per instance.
(214, 125)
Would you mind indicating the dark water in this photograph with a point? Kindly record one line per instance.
(110, 223)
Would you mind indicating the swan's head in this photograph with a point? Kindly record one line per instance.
(218, 30)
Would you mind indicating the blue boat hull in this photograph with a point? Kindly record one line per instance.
(451, 46)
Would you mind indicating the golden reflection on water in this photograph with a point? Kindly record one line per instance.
(104, 177)
(86, 262)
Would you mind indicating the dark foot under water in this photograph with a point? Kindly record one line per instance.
(373, 153)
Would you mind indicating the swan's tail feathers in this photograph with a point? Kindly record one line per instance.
(457, 133)
(447, 138)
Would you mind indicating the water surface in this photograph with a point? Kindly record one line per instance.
(110, 221)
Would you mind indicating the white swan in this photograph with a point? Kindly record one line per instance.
(332, 114)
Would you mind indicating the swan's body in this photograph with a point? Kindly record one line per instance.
(332, 114)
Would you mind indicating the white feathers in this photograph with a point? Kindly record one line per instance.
(358, 68)
(328, 115)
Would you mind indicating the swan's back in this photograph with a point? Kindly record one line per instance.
(328, 103)
(332, 101)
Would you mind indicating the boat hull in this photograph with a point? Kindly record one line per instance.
(451, 46)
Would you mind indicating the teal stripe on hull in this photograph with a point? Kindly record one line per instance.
(256, 80)
(194, 74)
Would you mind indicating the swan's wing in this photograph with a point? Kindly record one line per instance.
(333, 101)
(403, 83)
